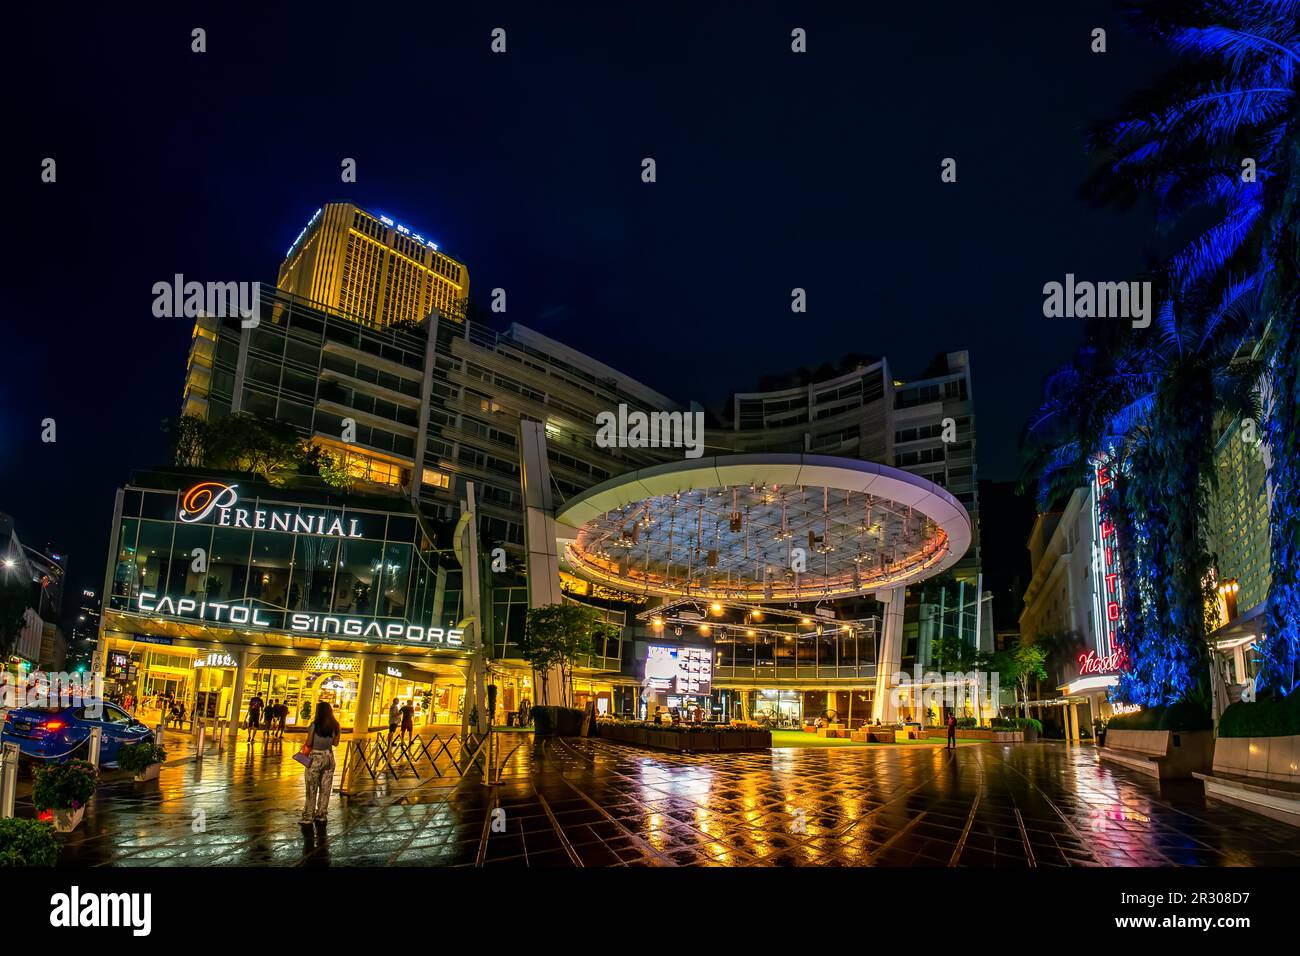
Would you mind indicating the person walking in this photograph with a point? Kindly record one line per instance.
(284, 717)
(408, 722)
(322, 737)
(952, 731)
(394, 717)
(254, 717)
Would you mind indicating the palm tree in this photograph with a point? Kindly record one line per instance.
(1220, 136)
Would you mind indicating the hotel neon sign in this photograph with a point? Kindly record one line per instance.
(210, 497)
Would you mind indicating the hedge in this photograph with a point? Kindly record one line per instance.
(27, 843)
(1183, 716)
(1262, 718)
(1016, 723)
(557, 721)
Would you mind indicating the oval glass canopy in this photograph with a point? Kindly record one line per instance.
(763, 528)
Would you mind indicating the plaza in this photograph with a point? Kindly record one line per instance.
(587, 802)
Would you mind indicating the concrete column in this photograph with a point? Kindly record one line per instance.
(540, 534)
(365, 691)
(884, 707)
(237, 695)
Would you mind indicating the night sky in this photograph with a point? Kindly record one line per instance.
(775, 170)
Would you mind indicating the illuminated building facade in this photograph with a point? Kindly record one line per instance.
(371, 267)
(222, 589)
(1238, 519)
(421, 408)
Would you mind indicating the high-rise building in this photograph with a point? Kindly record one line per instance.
(416, 406)
(372, 268)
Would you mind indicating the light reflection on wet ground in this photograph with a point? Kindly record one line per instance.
(591, 803)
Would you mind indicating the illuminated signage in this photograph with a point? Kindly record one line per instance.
(406, 232)
(1112, 663)
(213, 497)
(392, 672)
(215, 660)
(242, 616)
(1108, 587)
(310, 223)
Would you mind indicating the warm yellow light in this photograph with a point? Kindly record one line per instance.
(751, 632)
(805, 620)
(758, 615)
(704, 629)
(657, 623)
(715, 607)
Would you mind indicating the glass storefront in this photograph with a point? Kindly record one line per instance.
(282, 565)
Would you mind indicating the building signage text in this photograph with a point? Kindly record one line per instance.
(240, 615)
(213, 497)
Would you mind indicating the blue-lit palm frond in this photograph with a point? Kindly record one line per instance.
(1208, 252)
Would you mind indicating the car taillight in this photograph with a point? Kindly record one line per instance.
(52, 725)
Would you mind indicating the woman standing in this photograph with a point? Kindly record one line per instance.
(322, 737)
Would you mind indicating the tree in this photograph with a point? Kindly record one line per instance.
(555, 636)
(15, 599)
(1018, 666)
(187, 437)
(1219, 141)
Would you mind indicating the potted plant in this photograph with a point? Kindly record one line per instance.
(143, 759)
(27, 843)
(62, 791)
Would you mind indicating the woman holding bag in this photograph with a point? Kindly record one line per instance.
(317, 755)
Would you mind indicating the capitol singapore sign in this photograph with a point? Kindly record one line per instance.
(240, 615)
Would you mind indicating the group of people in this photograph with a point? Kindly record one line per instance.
(403, 715)
(269, 718)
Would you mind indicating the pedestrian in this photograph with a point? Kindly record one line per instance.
(322, 737)
(952, 731)
(272, 717)
(394, 712)
(408, 721)
(254, 717)
(180, 720)
(284, 717)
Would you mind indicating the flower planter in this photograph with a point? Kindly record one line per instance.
(149, 773)
(65, 821)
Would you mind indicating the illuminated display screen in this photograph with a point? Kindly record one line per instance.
(679, 670)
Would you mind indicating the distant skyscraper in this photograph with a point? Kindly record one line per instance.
(372, 268)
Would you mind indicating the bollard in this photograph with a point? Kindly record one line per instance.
(8, 779)
(221, 736)
(199, 740)
(92, 754)
(158, 731)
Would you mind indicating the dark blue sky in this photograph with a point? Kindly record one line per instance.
(775, 170)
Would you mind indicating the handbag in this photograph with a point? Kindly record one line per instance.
(303, 756)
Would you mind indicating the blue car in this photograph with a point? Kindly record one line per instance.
(55, 734)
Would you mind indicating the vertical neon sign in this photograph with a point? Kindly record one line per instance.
(1107, 588)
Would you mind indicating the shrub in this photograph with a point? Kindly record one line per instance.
(135, 758)
(967, 723)
(1262, 718)
(1183, 716)
(27, 843)
(65, 786)
(557, 721)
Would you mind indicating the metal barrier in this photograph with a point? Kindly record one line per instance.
(376, 756)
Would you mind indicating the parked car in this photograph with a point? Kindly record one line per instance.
(55, 734)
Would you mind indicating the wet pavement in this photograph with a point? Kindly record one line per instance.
(593, 803)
